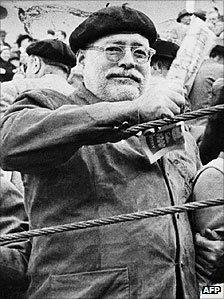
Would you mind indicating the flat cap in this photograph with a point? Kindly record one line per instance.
(182, 14)
(165, 48)
(53, 50)
(112, 20)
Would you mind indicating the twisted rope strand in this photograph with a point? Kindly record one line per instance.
(181, 117)
(111, 220)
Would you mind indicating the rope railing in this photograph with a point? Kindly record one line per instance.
(181, 117)
(133, 216)
(111, 220)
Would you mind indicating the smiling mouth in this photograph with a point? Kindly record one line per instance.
(118, 76)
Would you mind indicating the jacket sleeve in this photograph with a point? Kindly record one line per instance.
(209, 185)
(39, 131)
(13, 256)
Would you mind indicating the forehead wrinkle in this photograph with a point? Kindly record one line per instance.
(123, 43)
(124, 39)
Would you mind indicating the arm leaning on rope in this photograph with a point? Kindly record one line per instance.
(209, 227)
(43, 129)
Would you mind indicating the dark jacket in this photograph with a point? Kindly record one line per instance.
(7, 70)
(75, 173)
(13, 256)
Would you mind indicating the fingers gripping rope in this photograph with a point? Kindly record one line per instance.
(111, 220)
(181, 117)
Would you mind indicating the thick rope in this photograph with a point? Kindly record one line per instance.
(133, 216)
(111, 220)
(181, 117)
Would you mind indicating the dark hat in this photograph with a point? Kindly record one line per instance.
(182, 14)
(218, 49)
(201, 14)
(22, 37)
(53, 50)
(112, 20)
(165, 48)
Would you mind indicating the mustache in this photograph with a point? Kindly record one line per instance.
(125, 74)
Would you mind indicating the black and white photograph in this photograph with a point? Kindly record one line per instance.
(112, 149)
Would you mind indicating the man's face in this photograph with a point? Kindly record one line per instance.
(5, 54)
(219, 28)
(116, 81)
(59, 36)
(2, 36)
(212, 17)
(25, 43)
(186, 20)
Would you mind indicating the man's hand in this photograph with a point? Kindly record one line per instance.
(210, 256)
(161, 98)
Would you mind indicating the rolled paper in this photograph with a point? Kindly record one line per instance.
(194, 48)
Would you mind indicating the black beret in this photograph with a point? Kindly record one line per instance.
(165, 48)
(201, 14)
(182, 14)
(112, 20)
(53, 50)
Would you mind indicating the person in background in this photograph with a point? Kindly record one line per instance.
(6, 67)
(60, 35)
(48, 66)
(14, 256)
(219, 27)
(210, 70)
(50, 34)
(23, 41)
(208, 224)
(211, 18)
(16, 62)
(2, 39)
(161, 61)
(212, 142)
(184, 17)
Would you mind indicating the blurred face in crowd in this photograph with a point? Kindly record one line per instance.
(5, 54)
(116, 67)
(2, 36)
(218, 28)
(59, 36)
(25, 43)
(212, 17)
(186, 20)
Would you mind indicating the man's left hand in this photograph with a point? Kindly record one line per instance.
(210, 254)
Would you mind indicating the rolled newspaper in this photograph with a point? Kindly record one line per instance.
(194, 48)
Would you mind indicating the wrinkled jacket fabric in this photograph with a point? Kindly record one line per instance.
(13, 256)
(73, 176)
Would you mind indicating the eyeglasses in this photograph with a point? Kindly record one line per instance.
(114, 53)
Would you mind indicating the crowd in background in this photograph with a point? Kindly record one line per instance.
(206, 89)
(13, 56)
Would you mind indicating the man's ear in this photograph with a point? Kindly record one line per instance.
(80, 58)
(37, 64)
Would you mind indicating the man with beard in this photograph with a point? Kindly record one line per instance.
(78, 167)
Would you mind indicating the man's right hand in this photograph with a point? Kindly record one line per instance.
(161, 98)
